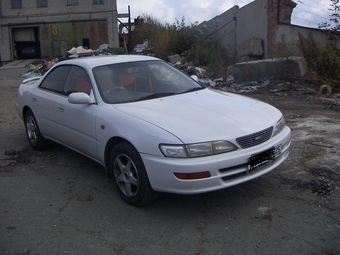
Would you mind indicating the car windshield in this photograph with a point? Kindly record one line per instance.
(141, 80)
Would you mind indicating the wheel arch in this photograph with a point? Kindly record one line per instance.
(25, 109)
(112, 142)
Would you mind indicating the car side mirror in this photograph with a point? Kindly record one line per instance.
(79, 98)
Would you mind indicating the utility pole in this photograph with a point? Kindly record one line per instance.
(128, 27)
(129, 24)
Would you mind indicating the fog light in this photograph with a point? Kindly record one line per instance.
(192, 176)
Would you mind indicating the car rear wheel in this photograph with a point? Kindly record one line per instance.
(129, 175)
(35, 138)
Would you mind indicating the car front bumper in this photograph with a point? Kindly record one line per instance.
(226, 169)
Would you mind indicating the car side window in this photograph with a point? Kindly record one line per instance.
(56, 79)
(77, 81)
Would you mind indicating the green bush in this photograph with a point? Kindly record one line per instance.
(324, 61)
(287, 49)
(191, 42)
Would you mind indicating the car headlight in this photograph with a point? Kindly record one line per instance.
(197, 149)
(279, 126)
(173, 151)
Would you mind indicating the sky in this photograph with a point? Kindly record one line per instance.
(307, 13)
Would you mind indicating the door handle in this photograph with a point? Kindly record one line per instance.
(34, 99)
(60, 109)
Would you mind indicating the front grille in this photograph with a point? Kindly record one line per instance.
(255, 138)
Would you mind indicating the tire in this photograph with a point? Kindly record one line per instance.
(325, 89)
(129, 176)
(34, 136)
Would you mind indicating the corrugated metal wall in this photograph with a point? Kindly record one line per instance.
(57, 38)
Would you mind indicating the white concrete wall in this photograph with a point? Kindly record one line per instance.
(291, 34)
(223, 28)
(227, 34)
(252, 22)
(237, 26)
(5, 46)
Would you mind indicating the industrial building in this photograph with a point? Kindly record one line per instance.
(45, 28)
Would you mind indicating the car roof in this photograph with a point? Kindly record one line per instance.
(94, 61)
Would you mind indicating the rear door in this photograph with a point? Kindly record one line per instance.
(45, 101)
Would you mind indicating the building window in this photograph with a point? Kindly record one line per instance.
(97, 2)
(16, 4)
(72, 2)
(42, 3)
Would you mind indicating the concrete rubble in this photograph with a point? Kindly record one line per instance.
(229, 84)
(80, 51)
(40, 67)
(276, 68)
(208, 80)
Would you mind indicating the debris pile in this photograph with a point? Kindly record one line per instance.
(104, 49)
(80, 51)
(209, 80)
(228, 84)
(39, 68)
(244, 87)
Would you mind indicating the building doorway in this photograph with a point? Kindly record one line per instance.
(26, 43)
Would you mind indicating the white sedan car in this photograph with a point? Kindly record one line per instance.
(153, 128)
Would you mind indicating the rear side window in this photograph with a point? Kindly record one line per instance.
(56, 79)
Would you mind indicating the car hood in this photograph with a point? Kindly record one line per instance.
(205, 115)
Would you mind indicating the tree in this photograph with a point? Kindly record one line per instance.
(334, 18)
(193, 42)
(333, 26)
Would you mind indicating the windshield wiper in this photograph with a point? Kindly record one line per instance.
(152, 96)
(192, 89)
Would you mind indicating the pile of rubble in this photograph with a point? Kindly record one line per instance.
(80, 51)
(39, 68)
(228, 84)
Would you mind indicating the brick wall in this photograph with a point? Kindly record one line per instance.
(286, 8)
(278, 12)
(272, 16)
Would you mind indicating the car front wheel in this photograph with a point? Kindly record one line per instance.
(35, 138)
(129, 175)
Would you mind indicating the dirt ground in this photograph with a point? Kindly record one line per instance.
(58, 202)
